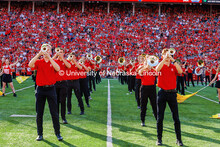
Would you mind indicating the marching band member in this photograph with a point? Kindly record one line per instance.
(180, 82)
(189, 69)
(61, 84)
(207, 75)
(213, 71)
(2, 63)
(120, 70)
(131, 76)
(98, 77)
(167, 94)
(147, 90)
(47, 69)
(83, 80)
(217, 85)
(6, 76)
(73, 83)
(138, 66)
(91, 73)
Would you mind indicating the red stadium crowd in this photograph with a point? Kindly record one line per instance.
(192, 32)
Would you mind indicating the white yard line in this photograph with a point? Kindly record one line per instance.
(17, 115)
(21, 89)
(109, 119)
(203, 97)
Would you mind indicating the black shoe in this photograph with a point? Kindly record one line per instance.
(219, 102)
(142, 124)
(39, 137)
(179, 142)
(65, 121)
(88, 105)
(185, 87)
(159, 142)
(81, 113)
(59, 137)
(69, 112)
(94, 89)
(14, 95)
(3, 94)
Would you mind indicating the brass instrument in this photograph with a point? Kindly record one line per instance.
(98, 59)
(57, 50)
(200, 63)
(143, 55)
(132, 61)
(70, 57)
(45, 47)
(121, 60)
(172, 51)
(89, 56)
(152, 61)
(198, 71)
(81, 61)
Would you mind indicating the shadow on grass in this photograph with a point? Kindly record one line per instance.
(129, 129)
(217, 130)
(50, 143)
(198, 137)
(19, 122)
(102, 137)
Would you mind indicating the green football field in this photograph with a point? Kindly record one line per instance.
(90, 130)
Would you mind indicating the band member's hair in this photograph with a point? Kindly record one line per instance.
(164, 51)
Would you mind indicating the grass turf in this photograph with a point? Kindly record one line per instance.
(90, 129)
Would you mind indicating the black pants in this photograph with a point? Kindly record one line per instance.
(41, 95)
(180, 85)
(207, 78)
(98, 77)
(131, 83)
(201, 79)
(185, 79)
(61, 90)
(213, 75)
(91, 81)
(84, 89)
(1, 81)
(148, 92)
(190, 77)
(14, 75)
(74, 85)
(170, 98)
(137, 91)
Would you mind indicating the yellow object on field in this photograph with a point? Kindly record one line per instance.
(181, 98)
(21, 79)
(1, 93)
(216, 116)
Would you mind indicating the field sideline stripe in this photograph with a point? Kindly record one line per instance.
(109, 119)
(21, 89)
(203, 97)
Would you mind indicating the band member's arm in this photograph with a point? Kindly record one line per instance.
(13, 64)
(87, 70)
(67, 64)
(54, 64)
(32, 62)
(92, 62)
(77, 64)
(55, 56)
(141, 70)
(216, 75)
(178, 68)
(160, 65)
